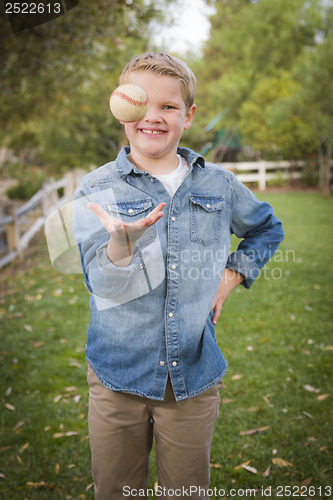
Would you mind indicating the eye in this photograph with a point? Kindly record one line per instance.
(169, 106)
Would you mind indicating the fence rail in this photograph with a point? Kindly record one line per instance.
(263, 171)
(18, 231)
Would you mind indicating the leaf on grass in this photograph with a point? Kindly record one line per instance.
(226, 400)
(254, 431)
(309, 388)
(267, 401)
(329, 348)
(71, 388)
(310, 440)
(57, 468)
(322, 397)
(307, 414)
(238, 376)
(28, 328)
(8, 391)
(89, 486)
(73, 300)
(15, 315)
(241, 465)
(267, 471)
(215, 466)
(279, 462)
(9, 407)
(38, 344)
(24, 447)
(58, 435)
(41, 484)
(250, 469)
(57, 398)
(306, 482)
(19, 459)
(2, 476)
(74, 362)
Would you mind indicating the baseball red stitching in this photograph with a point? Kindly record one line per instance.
(129, 99)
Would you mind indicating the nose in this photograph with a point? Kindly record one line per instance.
(152, 115)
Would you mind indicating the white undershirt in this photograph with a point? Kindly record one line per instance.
(173, 180)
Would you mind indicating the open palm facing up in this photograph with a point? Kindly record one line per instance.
(124, 235)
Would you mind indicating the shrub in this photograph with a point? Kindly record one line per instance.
(27, 186)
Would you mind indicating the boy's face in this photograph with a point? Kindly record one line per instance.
(157, 134)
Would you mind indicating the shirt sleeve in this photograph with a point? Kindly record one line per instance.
(261, 232)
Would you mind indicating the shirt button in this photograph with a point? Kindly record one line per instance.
(170, 315)
(208, 205)
(151, 179)
(130, 211)
(162, 363)
(173, 219)
(173, 266)
(174, 363)
(141, 266)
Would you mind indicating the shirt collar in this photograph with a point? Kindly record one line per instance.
(125, 167)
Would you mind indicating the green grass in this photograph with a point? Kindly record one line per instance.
(277, 338)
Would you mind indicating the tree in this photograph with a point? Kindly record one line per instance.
(56, 79)
(248, 69)
(267, 120)
(315, 72)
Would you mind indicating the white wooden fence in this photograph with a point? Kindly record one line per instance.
(18, 230)
(48, 200)
(262, 171)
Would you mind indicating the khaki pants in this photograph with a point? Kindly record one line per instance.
(121, 430)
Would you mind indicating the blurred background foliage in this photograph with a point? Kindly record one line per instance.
(56, 80)
(265, 73)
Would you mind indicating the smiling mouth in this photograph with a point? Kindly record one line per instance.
(152, 132)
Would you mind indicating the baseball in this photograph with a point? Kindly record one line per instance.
(128, 103)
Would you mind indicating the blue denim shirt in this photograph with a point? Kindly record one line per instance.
(152, 317)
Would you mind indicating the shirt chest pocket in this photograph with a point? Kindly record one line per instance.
(206, 218)
(132, 210)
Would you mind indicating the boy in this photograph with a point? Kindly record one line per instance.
(156, 261)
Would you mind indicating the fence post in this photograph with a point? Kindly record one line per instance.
(72, 179)
(70, 185)
(262, 176)
(13, 232)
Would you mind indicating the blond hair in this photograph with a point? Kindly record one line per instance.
(164, 64)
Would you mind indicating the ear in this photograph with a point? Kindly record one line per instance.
(190, 116)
